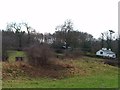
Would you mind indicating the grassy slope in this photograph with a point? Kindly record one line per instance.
(75, 82)
(95, 75)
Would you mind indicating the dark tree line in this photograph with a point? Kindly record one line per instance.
(18, 36)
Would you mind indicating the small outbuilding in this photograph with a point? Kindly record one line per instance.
(106, 53)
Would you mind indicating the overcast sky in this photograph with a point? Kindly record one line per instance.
(91, 16)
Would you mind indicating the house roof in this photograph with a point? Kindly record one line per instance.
(108, 51)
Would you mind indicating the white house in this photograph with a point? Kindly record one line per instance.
(106, 53)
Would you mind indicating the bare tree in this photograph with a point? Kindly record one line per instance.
(30, 32)
(109, 38)
(64, 32)
(16, 28)
(111, 32)
(28, 28)
(102, 40)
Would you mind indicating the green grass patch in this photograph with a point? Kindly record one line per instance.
(13, 54)
(96, 81)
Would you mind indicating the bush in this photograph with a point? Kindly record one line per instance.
(75, 53)
(39, 55)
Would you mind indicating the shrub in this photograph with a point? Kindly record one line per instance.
(75, 53)
(39, 55)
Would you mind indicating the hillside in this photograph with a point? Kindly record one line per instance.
(84, 72)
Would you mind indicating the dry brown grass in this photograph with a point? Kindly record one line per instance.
(56, 69)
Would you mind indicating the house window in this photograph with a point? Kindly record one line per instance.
(101, 52)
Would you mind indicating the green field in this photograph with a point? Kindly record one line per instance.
(96, 81)
(13, 54)
(90, 73)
